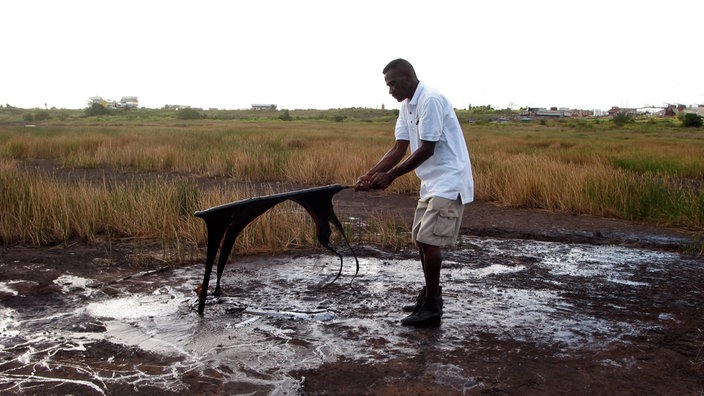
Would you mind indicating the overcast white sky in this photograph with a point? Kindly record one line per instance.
(329, 54)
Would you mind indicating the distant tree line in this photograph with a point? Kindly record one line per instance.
(474, 114)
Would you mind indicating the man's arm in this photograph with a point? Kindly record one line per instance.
(388, 161)
(383, 179)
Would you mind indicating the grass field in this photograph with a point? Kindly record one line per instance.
(650, 171)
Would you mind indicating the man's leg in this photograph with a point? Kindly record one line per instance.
(436, 224)
(423, 292)
(429, 307)
(417, 221)
(431, 257)
(421, 295)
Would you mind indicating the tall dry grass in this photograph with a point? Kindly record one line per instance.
(306, 153)
(42, 211)
(651, 177)
(655, 176)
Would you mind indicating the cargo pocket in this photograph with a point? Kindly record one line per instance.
(446, 223)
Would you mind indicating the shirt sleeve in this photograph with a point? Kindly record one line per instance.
(430, 120)
(402, 132)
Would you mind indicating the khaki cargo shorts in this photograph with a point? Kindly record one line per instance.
(437, 221)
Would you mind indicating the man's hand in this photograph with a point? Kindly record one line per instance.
(385, 171)
(364, 183)
(382, 180)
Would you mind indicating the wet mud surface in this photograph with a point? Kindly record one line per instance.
(521, 317)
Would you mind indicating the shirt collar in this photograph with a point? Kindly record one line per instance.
(416, 95)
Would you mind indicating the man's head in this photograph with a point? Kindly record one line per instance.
(401, 79)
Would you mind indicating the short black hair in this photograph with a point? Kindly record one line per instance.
(401, 64)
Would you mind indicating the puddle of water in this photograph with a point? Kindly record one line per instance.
(494, 269)
(275, 317)
(162, 302)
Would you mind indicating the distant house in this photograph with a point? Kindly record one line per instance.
(129, 102)
(699, 110)
(107, 103)
(673, 108)
(615, 110)
(552, 112)
(651, 110)
(97, 100)
(263, 106)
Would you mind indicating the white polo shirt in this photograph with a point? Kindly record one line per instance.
(448, 172)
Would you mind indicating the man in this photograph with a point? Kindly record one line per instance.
(439, 156)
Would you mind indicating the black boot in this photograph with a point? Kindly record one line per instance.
(419, 301)
(428, 314)
(418, 304)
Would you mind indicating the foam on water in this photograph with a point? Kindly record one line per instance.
(163, 302)
(71, 284)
